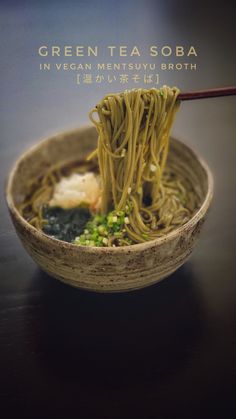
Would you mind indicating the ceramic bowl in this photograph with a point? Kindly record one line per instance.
(113, 268)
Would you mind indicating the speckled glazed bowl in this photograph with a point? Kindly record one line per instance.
(105, 269)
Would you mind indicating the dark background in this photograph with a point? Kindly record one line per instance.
(166, 351)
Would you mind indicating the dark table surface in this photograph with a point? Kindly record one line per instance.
(165, 351)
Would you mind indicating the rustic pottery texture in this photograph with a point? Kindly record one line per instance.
(105, 269)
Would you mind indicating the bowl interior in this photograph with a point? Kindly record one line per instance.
(76, 145)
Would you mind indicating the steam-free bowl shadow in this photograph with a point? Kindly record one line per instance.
(117, 338)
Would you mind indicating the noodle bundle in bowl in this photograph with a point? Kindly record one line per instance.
(133, 144)
(127, 211)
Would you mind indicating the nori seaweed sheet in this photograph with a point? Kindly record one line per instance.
(65, 224)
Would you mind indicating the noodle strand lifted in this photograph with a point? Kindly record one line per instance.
(133, 141)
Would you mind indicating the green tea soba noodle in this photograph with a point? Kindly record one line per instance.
(133, 144)
(142, 197)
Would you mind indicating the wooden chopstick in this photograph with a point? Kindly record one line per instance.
(203, 94)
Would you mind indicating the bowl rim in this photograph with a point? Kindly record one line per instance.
(93, 249)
